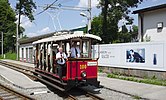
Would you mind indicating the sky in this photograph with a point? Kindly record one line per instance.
(59, 19)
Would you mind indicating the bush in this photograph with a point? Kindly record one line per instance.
(9, 55)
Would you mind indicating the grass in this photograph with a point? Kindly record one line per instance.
(152, 80)
(9, 55)
(100, 70)
(136, 97)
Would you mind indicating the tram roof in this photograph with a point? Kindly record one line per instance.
(66, 36)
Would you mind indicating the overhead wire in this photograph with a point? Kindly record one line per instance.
(60, 7)
(47, 7)
(43, 10)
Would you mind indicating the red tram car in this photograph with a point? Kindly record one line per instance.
(78, 71)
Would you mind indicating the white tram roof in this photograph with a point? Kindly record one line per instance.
(65, 36)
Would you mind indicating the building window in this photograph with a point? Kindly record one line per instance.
(159, 26)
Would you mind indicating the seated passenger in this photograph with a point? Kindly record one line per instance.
(75, 51)
(61, 61)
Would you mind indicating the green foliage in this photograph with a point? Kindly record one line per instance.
(123, 36)
(100, 70)
(134, 32)
(154, 77)
(128, 36)
(97, 25)
(24, 37)
(7, 17)
(112, 12)
(26, 7)
(7, 25)
(9, 55)
(147, 38)
(136, 97)
(152, 80)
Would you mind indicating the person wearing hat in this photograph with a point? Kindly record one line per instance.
(75, 50)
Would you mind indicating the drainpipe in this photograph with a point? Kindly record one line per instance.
(142, 26)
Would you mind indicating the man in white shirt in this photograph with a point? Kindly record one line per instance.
(75, 51)
(61, 61)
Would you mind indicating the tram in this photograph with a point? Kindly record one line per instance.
(78, 71)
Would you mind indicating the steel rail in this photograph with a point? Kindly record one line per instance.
(23, 70)
(91, 95)
(71, 97)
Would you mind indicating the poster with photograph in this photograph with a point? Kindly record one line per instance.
(135, 55)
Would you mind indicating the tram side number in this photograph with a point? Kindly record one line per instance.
(83, 66)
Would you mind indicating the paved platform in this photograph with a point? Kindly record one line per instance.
(147, 91)
(18, 79)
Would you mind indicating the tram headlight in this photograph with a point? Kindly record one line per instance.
(83, 74)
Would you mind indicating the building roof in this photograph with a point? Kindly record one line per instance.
(66, 36)
(35, 38)
(150, 9)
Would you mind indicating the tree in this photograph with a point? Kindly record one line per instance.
(26, 8)
(134, 33)
(125, 36)
(112, 12)
(97, 25)
(7, 24)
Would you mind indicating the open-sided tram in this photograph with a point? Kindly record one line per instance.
(78, 71)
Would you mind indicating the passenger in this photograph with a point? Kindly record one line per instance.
(75, 50)
(61, 61)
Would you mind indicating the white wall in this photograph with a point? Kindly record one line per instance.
(115, 55)
(20, 54)
(26, 56)
(150, 20)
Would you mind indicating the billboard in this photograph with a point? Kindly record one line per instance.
(150, 56)
(135, 55)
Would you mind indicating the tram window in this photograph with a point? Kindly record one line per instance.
(68, 49)
(54, 48)
(41, 46)
(49, 49)
(45, 46)
(85, 49)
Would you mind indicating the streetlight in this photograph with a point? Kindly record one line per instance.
(18, 26)
(83, 14)
(89, 21)
(88, 16)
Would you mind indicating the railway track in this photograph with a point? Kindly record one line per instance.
(93, 96)
(28, 71)
(83, 94)
(7, 93)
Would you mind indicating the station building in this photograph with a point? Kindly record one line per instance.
(152, 23)
(26, 47)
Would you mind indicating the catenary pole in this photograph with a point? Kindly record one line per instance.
(89, 18)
